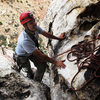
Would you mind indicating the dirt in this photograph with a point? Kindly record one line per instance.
(10, 11)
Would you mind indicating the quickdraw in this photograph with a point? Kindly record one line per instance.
(85, 53)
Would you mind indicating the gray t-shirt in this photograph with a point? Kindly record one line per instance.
(25, 45)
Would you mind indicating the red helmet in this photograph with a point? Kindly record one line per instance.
(26, 17)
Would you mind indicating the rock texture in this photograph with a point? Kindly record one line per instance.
(80, 19)
(14, 85)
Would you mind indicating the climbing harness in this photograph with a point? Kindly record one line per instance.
(86, 56)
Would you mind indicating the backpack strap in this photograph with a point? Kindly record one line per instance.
(33, 38)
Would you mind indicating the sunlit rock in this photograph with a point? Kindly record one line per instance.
(80, 20)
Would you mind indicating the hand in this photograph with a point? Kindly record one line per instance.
(60, 64)
(62, 36)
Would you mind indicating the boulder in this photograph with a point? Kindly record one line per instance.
(16, 86)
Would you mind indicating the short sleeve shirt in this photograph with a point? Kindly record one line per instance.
(25, 45)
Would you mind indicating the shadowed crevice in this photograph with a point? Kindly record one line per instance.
(91, 12)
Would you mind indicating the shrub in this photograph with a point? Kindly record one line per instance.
(2, 40)
(7, 30)
(1, 0)
(1, 23)
(26, 1)
(21, 1)
(16, 25)
(17, 0)
(12, 45)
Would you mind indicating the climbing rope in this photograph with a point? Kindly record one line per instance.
(86, 56)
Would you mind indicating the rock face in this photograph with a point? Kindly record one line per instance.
(80, 19)
(15, 86)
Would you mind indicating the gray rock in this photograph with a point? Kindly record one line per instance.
(15, 86)
(80, 21)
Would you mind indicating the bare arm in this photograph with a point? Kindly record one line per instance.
(44, 58)
(48, 35)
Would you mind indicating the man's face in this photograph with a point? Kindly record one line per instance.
(32, 25)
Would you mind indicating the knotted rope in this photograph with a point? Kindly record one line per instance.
(85, 53)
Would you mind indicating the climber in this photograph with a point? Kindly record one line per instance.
(27, 48)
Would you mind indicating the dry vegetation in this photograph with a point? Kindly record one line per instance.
(10, 11)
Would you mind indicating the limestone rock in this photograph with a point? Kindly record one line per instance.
(80, 20)
(15, 86)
